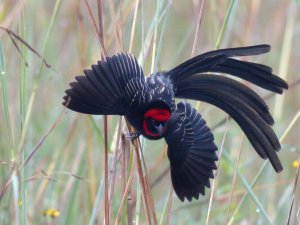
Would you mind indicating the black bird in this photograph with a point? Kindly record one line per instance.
(117, 86)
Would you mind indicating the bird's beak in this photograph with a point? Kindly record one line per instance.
(160, 129)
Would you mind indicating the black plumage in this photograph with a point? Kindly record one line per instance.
(117, 86)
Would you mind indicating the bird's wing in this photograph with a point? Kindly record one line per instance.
(242, 104)
(111, 87)
(221, 61)
(191, 151)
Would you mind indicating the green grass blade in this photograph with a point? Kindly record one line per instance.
(38, 76)
(97, 201)
(5, 104)
(166, 204)
(251, 193)
(224, 25)
(162, 32)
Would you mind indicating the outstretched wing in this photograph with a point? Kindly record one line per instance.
(191, 151)
(111, 87)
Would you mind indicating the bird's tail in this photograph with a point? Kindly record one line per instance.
(242, 104)
(221, 61)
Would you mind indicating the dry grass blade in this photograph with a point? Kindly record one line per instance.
(103, 51)
(145, 195)
(148, 187)
(294, 193)
(130, 179)
(114, 18)
(100, 21)
(142, 181)
(150, 198)
(129, 196)
(129, 207)
(17, 47)
(114, 165)
(14, 35)
(106, 188)
(6, 185)
(125, 167)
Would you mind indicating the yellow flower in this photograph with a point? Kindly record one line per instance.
(51, 212)
(296, 163)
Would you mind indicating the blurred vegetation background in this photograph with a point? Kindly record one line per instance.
(52, 160)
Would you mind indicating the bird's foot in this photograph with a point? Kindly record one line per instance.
(132, 136)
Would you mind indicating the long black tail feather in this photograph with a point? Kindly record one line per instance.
(220, 61)
(242, 104)
(255, 73)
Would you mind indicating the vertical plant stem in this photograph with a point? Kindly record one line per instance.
(97, 202)
(38, 76)
(103, 51)
(294, 192)
(15, 185)
(162, 32)
(196, 38)
(234, 176)
(22, 113)
(5, 104)
(106, 172)
(130, 179)
(100, 22)
(155, 34)
(138, 204)
(114, 165)
(170, 206)
(142, 181)
(285, 54)
(166, 207)
(197, 28)
(224, 25)
(114, 21)
(133, 25)
(214, 181)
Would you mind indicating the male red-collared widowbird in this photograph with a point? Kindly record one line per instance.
(117, 86)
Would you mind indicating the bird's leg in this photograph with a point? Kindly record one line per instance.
(132, 136)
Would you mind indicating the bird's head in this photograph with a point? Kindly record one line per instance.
(154, 120)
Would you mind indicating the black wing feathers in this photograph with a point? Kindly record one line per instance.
(242, 104)
(191, 151)
(110, 87)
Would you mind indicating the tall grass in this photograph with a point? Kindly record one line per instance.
(61, 167)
